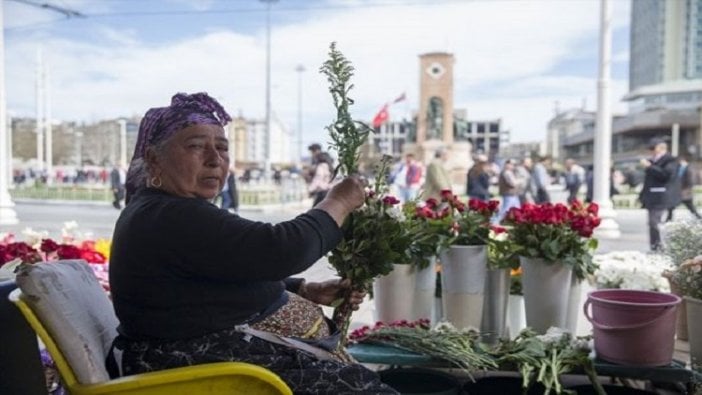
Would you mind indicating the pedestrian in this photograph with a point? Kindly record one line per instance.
(230, 194)
(541, 179)
(478, 179)
(659, 177)
(508, 185)
(118, 176)
(409, 178)
(321, 174)
(523, 173)
(685, 179)
(437, 178)
(574, 179)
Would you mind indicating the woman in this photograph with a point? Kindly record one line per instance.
(195, 284)
(478, 181)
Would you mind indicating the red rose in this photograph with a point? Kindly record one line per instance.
(92, 256)
(390, 200)
(446, 195)
(48, 245)
(67, 251)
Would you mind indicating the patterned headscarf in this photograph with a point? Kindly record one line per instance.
(161, 123)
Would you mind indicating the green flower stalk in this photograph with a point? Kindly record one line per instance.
(373, 236)
(347, 135)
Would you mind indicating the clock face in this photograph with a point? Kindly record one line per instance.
(435, 70)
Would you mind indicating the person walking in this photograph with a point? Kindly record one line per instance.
(409, 189)
(117, 179)
(541, 180)
(230, 194)
(574, 178)
(685, 179)
(321, 174)
(508, 185)
(438, 178)
(659, 177)
(478, 179)
(523, 173)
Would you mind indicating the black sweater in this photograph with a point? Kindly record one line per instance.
(181, 267)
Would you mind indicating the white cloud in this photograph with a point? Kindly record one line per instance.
(507, 50)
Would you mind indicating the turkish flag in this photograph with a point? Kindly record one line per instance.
(381, 117)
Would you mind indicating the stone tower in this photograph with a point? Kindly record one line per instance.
(435, 117)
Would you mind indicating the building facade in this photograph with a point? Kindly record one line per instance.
(666, 41)
(665, 97)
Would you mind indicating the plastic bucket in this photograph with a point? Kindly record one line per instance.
(416, 381)
(633, 327)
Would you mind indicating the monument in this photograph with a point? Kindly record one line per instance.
(435, 117)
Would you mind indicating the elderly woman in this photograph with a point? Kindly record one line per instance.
(195, 284)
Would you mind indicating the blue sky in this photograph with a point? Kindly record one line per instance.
(514, 59)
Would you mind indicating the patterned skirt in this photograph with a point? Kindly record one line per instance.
(302, 371)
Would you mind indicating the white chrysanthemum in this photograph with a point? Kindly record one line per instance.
(632, 270)
(498, 236)
(444, 326)
(396, 213)
(552, 335)
(33, 237)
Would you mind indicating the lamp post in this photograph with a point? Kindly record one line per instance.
(603, 135)
(300, 69)
(8, 216)
(122, 142)
(268, 140)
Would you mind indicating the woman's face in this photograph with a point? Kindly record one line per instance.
(193, 163)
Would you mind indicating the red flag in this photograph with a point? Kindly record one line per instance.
(400, 98)
(381, 117)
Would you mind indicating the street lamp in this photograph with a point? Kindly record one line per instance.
(122, 142)
(603, 136)
(300, 69)
(267, 154)
(8, 216)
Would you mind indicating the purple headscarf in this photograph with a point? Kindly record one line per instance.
(160, 123)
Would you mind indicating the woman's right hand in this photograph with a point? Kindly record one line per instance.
(343, 198)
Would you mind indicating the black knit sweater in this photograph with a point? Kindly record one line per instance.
(181, 267)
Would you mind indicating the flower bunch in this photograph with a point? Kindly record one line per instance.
(455, 222)
(374, 236)
(38, 246)
(556, 233)
(461, 348)
(688, 276)
(544, 358)
(632, 270)
(681, 239)
(47, 250)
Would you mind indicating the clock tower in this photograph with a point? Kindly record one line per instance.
(435, 118)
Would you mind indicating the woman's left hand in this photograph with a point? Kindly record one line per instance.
(328, 291)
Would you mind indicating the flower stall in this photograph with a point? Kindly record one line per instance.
(546, 251)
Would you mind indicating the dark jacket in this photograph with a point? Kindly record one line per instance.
(659, 184)
(233, 192)
(478, 184)
(181, 267)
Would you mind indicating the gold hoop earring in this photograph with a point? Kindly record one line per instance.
(156, 182)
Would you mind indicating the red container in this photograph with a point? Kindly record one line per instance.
(633, 327)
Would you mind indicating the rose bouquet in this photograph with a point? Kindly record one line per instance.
(454, 222)
(38, 247)
(556, 233)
